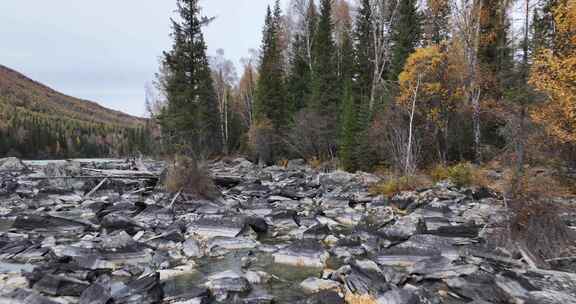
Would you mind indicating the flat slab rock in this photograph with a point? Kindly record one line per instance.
(303, 253)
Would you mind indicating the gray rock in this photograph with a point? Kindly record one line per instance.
(145, 290)
(209, 228)
(550, 297)
(296, 164)
(404, 228)
(398, 296)
(226, 284)
(324, 297)
(97, 293)
(12, 164)
(335, 179)
(24, 296)
(56, 285)
(191, 248)
(441, 268)
(221, 245)
(314, 285)
(304, 253)
(360, 282)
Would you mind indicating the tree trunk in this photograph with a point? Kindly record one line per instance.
(476, 126)
(408, 165)
(381, 42)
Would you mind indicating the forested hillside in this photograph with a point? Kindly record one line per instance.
(38, 122)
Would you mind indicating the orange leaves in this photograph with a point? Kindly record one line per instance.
(554, 73)
(437, 6)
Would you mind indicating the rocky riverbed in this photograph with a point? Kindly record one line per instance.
(101, 232)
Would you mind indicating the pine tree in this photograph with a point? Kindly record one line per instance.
(191, 118)
(346, 65)
(348, 116)
(349, 128)
(326, 89)
(406, 34)
(271, 101)
(300, 75)
(495, 55)
(364, 50)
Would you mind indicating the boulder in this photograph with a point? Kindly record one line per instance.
(314, 285)
(144, 290)
(441, 268)
(304, 253)
(56, 285)
(225, 284)
(335, 179)
(25, 296)
(191, 248)
(221, 245)
(324, 297)
(404, 228)
(296, 164)
(12, 164)
(98, 292)
(398, 296)
(209, 228)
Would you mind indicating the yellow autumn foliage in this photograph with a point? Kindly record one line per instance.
(438, 93)
(554, 73)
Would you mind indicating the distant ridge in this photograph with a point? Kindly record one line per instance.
(17, 90)
(37, 122)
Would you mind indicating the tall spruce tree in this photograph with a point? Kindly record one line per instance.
(300, 75)
(346, 64)
(271, 102)
(495, 55)
(191, 118)
(350, 104)
(406, 35)
(326, 88)
(347, 143)
(364, 50)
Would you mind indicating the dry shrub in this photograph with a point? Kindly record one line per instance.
(188, 176)
(313, 135)
(538, 183)
(462, 175)
(537, 225)
(536, 221)
(261, 138)
(282, 163)
(315, 162)
(394, 186)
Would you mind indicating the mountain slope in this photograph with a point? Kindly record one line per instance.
(20, 91)
(38, 122)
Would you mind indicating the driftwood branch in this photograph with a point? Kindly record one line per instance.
(96, 188)
(174, 199)
(92, 177)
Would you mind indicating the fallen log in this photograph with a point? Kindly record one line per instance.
(123, 173)
(90, 177)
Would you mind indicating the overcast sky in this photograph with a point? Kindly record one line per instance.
(106, 50)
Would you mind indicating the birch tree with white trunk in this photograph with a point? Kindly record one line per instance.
(384, 14)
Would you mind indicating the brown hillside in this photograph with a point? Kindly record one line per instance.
(20, 91)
